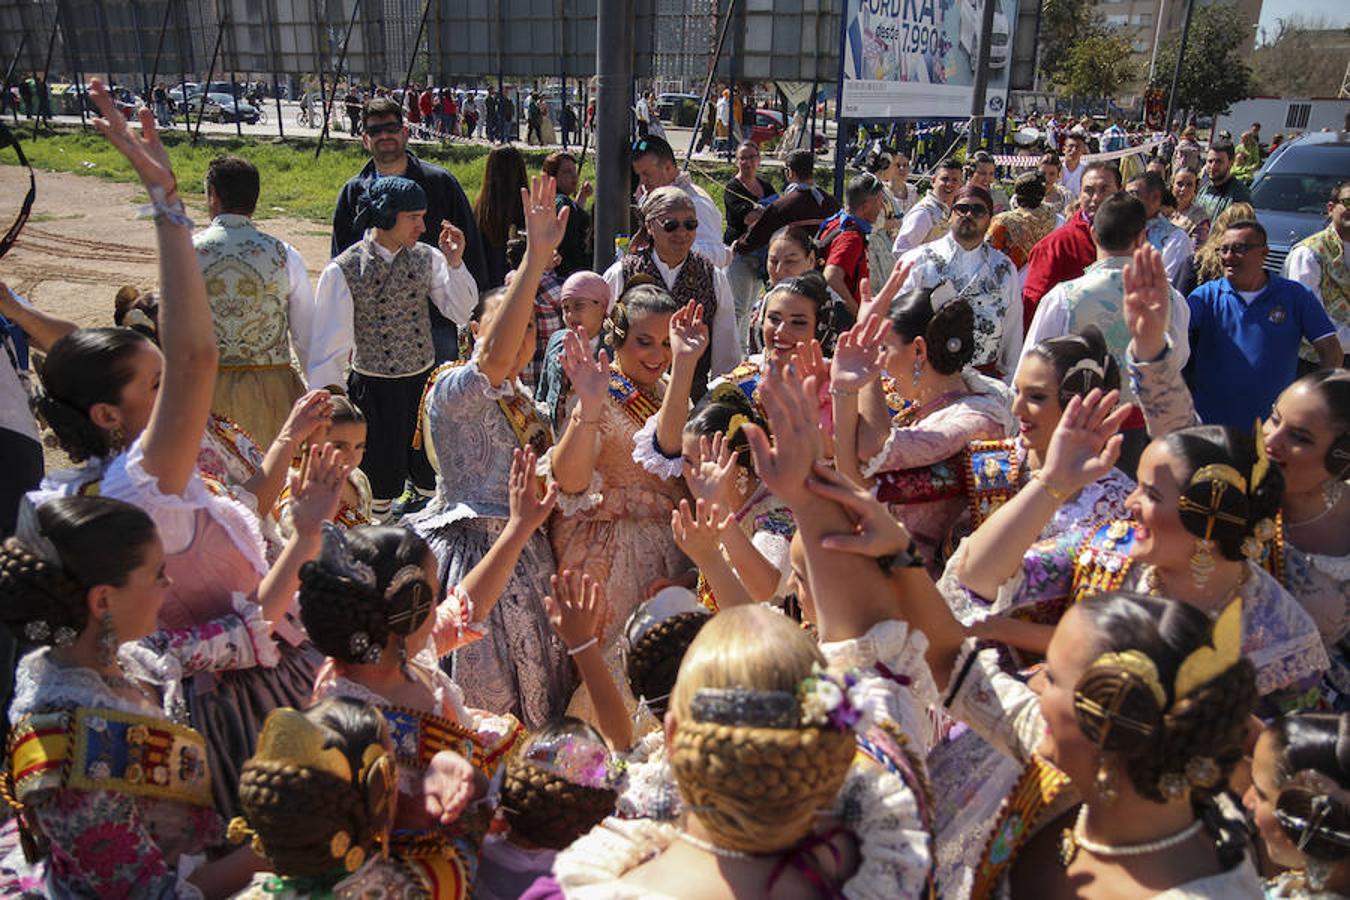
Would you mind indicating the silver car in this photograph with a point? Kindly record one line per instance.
(1291, 191)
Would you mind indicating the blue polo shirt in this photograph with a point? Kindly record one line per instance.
(1244, 353)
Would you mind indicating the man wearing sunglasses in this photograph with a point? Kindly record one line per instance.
(962, 264)
(1321, 263)
(654, 165)
(1246, 329)
(385, 138)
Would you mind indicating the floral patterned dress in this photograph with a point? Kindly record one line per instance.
(618, 529)
(105, 842)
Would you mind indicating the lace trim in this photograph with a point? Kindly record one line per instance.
(503, 391)
(571, 504)
(649, 456)
(40, 684)
(895, 847)
(901, 650)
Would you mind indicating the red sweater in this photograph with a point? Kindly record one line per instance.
(1060, 256)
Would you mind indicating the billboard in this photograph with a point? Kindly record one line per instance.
(917, 58)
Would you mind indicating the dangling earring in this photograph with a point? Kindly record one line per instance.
(1202, 562)
(117, 438)
(743, 482)
(403, 659)
(918, 371)
(1105, 782)
(107, 640)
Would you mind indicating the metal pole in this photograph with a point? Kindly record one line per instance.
(417, 42)
(707, 85)
(562, 69)
(981, 79)
(72, 57)
(614, 75)
(210, 74)
(234, 89)
(1176, 71)
(342, 61)
(182, 74)
(107, 45)
(140, 49)
(1157, 36)
(46, 76)
(9, 74)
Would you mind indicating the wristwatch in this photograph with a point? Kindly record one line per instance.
(902, 559)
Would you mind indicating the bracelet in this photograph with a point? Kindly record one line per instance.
(836, 392)
(161, 210)
(582, 647)
(1055, 493)
(576, 417)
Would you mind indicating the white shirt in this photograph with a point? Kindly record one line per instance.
(1177, 251)
(973, 275)
(914, 227)
(300, 308)
(725, 352)
(644, 113)
(454, 292)
(1301, 265)
(1072, 179)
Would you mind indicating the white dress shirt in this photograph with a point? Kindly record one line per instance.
(914, 227)
(726, 345)
(1177, 250)
(453, 290)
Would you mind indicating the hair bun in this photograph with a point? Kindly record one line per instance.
(951, 336)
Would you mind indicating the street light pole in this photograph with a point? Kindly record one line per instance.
(1181, 56)
(614, 80)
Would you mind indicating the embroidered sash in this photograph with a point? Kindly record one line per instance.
(109, 750)
(992, 476)
(637, 405)
(418, 736)
(1018, 819)
(443, 877)
(1103, 560)
(530, 430)
(922, 484)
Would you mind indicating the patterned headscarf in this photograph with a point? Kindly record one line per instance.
(386, 198)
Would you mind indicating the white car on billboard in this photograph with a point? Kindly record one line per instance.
(972, 17)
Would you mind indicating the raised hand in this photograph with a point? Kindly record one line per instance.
(584, 194)
(711, 473)
(311, 412)
(698, 531)
(791, 404)
(859, 355)
(1085, 444)
(144, 151)
(317, 488)
(574, 607)
(880, 304)
(875, 531)
(688, 334)
(810, 361)
(1148, 299)
(589, 375)
(527, 508)
(449, 784)
(544, 227)
(451, 242)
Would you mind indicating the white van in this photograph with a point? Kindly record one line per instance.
(972, 17)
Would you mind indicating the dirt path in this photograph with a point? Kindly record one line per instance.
(84, 242)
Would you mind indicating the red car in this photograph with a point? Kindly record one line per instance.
(769, 125)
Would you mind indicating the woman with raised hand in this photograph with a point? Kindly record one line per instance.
(477, 413)
(914, 455)
(1299, 800)
(138, 415)
(617, 464)
(1305, 544)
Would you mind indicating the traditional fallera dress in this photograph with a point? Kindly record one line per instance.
(618, 529)
(471, 427)
(351, 512)
(113, 783)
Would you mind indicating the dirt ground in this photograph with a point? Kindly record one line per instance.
(83, 242)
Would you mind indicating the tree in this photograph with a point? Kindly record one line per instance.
(1305, 58)
(1098, 66)
(1064, 23)
(1213, 74)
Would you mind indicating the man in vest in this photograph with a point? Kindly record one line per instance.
(1064, 253)
(1321, 263)
(842, 243)
(1175, 245)
(261, 304)
(930, 218)
(962, 265)
(372, 305)
(1097, 298)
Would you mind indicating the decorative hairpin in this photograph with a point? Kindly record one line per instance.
(28, 529)
(733, 426)
(1262, 464)
(335, 554)
(1085, 365)
(576, 759)
(821, 700)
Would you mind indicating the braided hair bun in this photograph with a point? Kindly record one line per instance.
(654, 659)
(1234, 512)
(544, 807)
(948, 332)
(346, 618)
(1312, 763)
(1081, 362)
(755, 789)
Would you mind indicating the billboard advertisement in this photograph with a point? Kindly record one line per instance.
(917, 58)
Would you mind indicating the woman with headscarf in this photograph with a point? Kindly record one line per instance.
(374, 321)
(663, 250)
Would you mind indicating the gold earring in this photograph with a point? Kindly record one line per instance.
(117, 438)
(1202, 562)
(1105, 782)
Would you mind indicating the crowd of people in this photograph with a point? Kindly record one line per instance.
(944, 544)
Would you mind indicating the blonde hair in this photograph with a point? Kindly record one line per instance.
(754, 789)
(1207, 263)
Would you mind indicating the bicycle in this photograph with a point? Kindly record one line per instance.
(305, 118)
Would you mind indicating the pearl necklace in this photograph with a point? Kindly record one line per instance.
(715, 850)
(1073, 838)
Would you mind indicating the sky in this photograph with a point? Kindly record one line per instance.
(1335, 12)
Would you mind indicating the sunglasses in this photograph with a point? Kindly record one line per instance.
(386, 128)
(670, 225)
(1342, 202)
(1237, 249)
(970, 209)
(641, 146)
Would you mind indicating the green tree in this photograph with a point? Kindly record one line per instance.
(1213, 73)
(1098, 66)
(1064, 23)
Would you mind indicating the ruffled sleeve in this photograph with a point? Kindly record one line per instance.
(455, 626)
(894, 683)
(649, 455)
(996, 706)
(982, 416)
(594, 863)
(1161, 393)
(571, 504)
(895, 847)
(239, 641)
(1046, 573)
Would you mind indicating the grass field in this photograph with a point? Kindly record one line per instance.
(294, 183)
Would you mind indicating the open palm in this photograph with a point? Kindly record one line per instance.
(688, 332)
(589, 375)
(858, 355)
(144, 151)
(544, 228)
(1148, 299)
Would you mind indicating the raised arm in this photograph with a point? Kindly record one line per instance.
(1155, 369)
(187, 336)
(42, 329)
(499, 341)
(577, 451)
(855, 369)
(688, 340)
(574, 606)
(306, 415)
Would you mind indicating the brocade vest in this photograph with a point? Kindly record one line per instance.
(248, 288)
(1326, 245)
(1097, 297)
(391, 320)
(942, 217)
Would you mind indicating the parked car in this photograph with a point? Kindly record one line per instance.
(178, 98)
(769, 124)
(221, 108)
(1290, 192)
(677, 109)
(972, 15)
